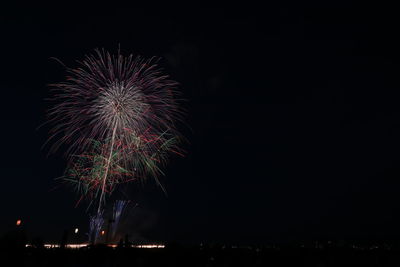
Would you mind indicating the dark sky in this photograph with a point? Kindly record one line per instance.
(293, 111)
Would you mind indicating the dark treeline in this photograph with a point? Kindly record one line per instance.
(202, 256)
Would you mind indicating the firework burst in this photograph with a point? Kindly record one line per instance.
(118, 209)
(117, 115)
(95, 224)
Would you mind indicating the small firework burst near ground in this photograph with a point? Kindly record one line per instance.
(95, 224)
(118, 209)
(117, 116)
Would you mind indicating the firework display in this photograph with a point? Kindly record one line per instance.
(118, 209)
(117, 118)
(95, 223)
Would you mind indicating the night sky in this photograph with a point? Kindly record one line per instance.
(293, 119)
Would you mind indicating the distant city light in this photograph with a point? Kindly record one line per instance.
(75, 246)
(18, 222)
(103, 232)
(76, 230)
(149, 246)
(58, 245)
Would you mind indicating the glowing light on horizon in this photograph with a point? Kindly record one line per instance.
(149, 246)
(76, 246)
(18, 223)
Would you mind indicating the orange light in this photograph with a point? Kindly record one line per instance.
(103, 232)
(18, 222)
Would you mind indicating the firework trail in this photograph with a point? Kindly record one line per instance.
(95, 224)
(118, 116)
(118, 209)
